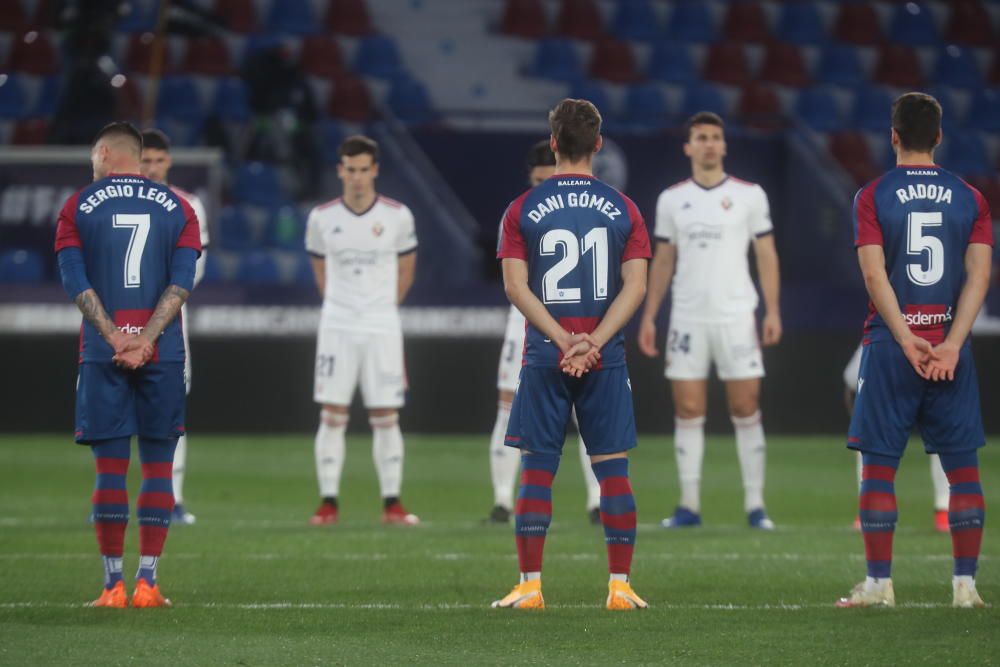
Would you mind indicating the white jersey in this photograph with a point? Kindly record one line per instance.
(362, 267)
(199, 272)
(712, 229)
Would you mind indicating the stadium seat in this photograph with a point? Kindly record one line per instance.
(645, 108)
(139, 55)
(256, 268)
(257, 183)
(235, 229)
(378, 56)
(213, 269)
(702, 97)
(594, 92)
(871, 109)
(943, 94)
(759, 107)
(984, 110)
(140, 16)
(800, 23)
(293, 17)
(32, 53)
(839, 64)
(613, 61)
(726, 63)
(208, 56)
(286, 228)
(818, 108)
(912, 24)
(850, 148)
(18, 265)
(671, 62)
(13, 18)
(783, 65)
(579, 19)
(350, 99)
(691, 21)
(957, 67)
(182, 132)
(304, 275)
(556, 58)
(331, 134)
(857, 23)
(128, 99)
(898, 66)
(745, 22)
(230, 101)
(47, 100)
(349, 17)
(178, 98)
(410, 102)
(969, 24)
(261, 42)
(13, 102)
(237, 15)
(320, 56)
(965, 154)
(524, 18)
(31, 132)
(636, 20)
(989, 187)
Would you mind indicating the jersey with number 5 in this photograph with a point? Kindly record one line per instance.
(575, 232)
(924, 217)
(127, 228)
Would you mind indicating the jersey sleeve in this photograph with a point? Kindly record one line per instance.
(314, 236)
(760, 214)
(190, 236)
(67, 234)
(637, 244)
(511, 243)
(982, 228)
(406, 238)
(867, 230)
(665, 230)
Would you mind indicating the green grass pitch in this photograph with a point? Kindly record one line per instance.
(253, 584)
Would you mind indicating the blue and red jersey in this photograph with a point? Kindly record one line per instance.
(575, 232)
(924, 217)
(127, 228)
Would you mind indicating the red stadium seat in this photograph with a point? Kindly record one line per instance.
(320, 56)
(851, 151)
(579, 19)
(726, 63)
(45, 14)
(760, 107)
(349, 17)
(524, 18)
(350, 99)
(30, 132)
(969, 23)
(857, 23)
(898, 66)
(989, 186)
(13, 17)
(613, 61)
(746, 22)
(139, 55)
(128, 101)
(33, 53)
(238, 15)
(208, 56)
(783, 65)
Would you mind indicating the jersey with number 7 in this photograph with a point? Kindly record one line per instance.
(127, 228)
(924, 217)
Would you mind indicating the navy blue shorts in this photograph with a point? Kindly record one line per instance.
(892, 399)
(546, 397)
(115, 403)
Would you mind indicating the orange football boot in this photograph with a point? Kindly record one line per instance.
(148, 596)
(113, 598)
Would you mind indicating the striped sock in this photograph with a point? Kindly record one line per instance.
(533, 511)
(617, 513)
(156, 501)
(878, 512)
(966, 510)
(110, 504)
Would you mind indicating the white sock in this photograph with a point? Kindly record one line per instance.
(180, 461)
(504, 460)
(619, 577)
(589, 479)
(530, 576)
(874, 584)
(689, 449)
(860, 466)
(942, 490)
(330, 452)
(387, 452)
(963, 579)
(751, 450)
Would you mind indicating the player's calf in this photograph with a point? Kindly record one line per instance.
(966, 517)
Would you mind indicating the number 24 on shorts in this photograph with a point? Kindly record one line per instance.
(678, 341)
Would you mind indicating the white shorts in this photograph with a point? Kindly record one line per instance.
(853, 370)
(734, 347)
(509, 369)
(345, 358)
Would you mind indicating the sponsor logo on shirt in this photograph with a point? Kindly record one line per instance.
(727, 203)
(378, 229)
(703, 234)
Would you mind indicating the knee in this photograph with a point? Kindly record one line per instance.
(689, 409)
(743, 408)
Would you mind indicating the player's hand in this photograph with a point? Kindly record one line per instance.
(771, 329)
(136, 353)
(919, 353)
(943, 367)
(119, 340)
(647, 338)
(580, 354)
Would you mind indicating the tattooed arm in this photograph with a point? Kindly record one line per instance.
(166, 310)
(93, 311)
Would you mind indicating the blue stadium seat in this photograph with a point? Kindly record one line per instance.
(691, 21)
(703, 97)
(957, 67)
(231, 99)
(331, 134)
(213, 269)
(636, 20)
(286, 228)
(410, 102)
(378, 56)
(839, 64)
(800, 23)
(946, 99)
(965, 154)
(264, 41)
(235, 229)
(258, 267)
(257, 183)
(141, 16)
(304, 275)
(984, 110)
(178, 98)
(871, 109)
(913, 24)
(21, 266)
(645, 108)
(817, 107)
(295, 17)
(181, 132)
(556, 59)
(13, 103)
(671, 62)
(48, 97)
(595, 92)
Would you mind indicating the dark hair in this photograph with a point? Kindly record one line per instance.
(916, 117)
(358, 145)
(703, 118)
(576, 125)
(155, 139)
(541, 155)
(121, 129)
